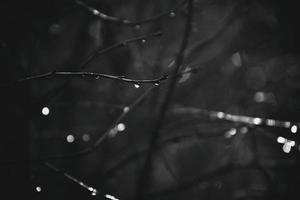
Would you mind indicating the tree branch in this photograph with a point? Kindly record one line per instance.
(92, 75)
(84, 63)
(127, 22)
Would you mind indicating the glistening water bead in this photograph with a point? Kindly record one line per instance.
(136, 85)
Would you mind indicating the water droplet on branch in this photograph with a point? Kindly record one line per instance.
(136, 85)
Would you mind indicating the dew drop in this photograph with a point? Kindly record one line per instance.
(126, 109)
(95, 12)
(38, 189)
(136, 85)
(45, 111)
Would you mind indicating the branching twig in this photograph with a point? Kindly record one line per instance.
(85, 62)
(127, 22)
(92, 75)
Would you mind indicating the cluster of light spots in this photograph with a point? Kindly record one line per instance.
(38, 188)
(70, 138)
(86, 137)
(240, 118)
(118, 128)
(93, 190)
(111, 197)
(294, 129)
(287, 144)
(45, 111)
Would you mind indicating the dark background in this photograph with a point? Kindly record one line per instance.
(244, 49)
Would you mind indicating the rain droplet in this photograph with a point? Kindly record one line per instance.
(45, 111)
(121, 127)
(281, 140)
(96, 12)
(126, 109)
(172, 14)
(294, 129)
(286, 148)
(38, 189)
(70, 138)
(136, 85)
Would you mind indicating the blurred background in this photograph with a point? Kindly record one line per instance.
(230, 131)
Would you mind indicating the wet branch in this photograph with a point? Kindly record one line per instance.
(127, 22)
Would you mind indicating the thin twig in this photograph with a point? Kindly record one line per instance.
(127, 22)
(75, 180)
(144, 177)
(71, 178)
(85, 62)
(124, 43)
(93, 75)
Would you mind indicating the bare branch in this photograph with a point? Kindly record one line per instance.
(127, 22)
(93, 75)
(80, 183)
(115, 46)
(71, 178)
(93, 55)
